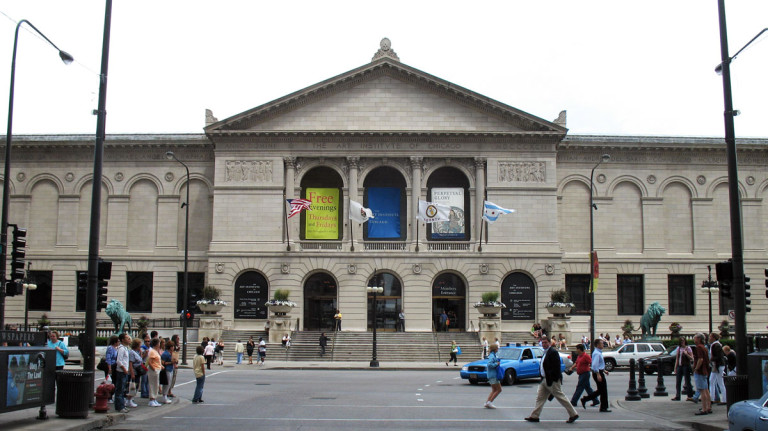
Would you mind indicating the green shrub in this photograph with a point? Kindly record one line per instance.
(281, 294)
(488, 297)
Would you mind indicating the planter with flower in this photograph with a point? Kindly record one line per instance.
(675, 329)
(489, 305)
(211, 302)
(280, 304)
(560, 303)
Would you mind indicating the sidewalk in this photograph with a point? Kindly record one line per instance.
(681, 412)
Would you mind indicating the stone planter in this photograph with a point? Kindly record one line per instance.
(559, 309)
(210, 308)
(280, 310)
(488, 310)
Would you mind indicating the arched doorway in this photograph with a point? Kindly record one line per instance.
(320, 292)
(449, 295)
(388, 303)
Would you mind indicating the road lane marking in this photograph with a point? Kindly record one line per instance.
(195, 381)
(315, 419)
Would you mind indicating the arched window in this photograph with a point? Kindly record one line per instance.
(449, 186)
(323, 187)
(385, 195)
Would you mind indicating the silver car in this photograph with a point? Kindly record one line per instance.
(621, 356)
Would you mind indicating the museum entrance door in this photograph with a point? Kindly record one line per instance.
(320, 292)
(448, 294)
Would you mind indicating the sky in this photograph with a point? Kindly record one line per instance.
(630, 67)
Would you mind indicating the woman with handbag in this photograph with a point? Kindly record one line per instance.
(493, 379)
(454, 353)
(137, 371)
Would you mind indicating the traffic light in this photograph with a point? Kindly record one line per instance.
(766, 282)
(192, 304)
(189, 316)
(724, 271)
(82, 281)
(105, 273)
(747, 294)
(18, 252)
(13, 288)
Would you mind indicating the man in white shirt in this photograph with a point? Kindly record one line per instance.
(123, 372)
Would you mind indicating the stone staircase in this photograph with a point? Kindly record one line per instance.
(357, 346)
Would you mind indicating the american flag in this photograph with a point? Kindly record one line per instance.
(297, 205)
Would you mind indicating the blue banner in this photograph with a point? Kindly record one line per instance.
(385, 204)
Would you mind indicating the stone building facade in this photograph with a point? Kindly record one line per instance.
(388, 135)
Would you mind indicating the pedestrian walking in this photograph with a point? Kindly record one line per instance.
(493, 380)
(337, 318)
(683, 361)
(582, 367)
(208, 352)
(599, 374)
(717, 366)
(700, 372)
(550, 385)
(443, 321)
(323, 343)
(239, 349)
(249, 349)
(484, 345)
(454, 354)
(198, 365)
(262, 350)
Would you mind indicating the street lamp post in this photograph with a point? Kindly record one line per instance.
(734, 201)
(170, 156)
(375, 289)
(592, 208)
(67, 59)
(710, 286)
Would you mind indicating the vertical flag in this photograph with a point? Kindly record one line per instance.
(595, 271)
(430, 212)
(492, 212)
(297, 205)
(358, 213)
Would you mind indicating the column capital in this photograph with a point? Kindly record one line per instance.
(290, 162)
(353, 161)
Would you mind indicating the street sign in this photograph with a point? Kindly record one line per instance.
(732, 314)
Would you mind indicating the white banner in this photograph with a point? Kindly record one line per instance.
(430, 212)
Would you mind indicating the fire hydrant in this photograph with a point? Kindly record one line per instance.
(102, 394)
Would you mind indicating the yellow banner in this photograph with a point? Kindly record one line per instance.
(322, 222)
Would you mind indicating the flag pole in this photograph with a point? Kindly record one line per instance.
(287, 227)
(351, 236)
(417, 234)
(482, 223)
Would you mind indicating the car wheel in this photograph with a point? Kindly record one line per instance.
(510, 377)
(610, 364)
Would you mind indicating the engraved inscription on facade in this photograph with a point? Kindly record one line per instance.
(525, 172)
(249, 170)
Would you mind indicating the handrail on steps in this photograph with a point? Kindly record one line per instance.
(437, 341)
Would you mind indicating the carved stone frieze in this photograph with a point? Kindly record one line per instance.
(524, 172)
(259, 171)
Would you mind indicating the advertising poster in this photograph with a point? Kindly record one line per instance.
(385, 204)
(454, 228)
(322, 222)
(25, 380)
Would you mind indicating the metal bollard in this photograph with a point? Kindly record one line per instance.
(661, 390)
(641, 389)
(632, 394)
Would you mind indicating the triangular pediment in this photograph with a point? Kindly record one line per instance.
(384, 96)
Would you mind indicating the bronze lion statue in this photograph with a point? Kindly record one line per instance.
(651, 318)
(119, 316)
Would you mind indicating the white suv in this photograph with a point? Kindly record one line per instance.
(621, 356)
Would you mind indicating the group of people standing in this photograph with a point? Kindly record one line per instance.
(708, 365)
(147, 369)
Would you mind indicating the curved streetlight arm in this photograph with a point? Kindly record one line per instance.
(67, 59)
(719, 67)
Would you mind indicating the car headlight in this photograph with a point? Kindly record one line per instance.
(465, 368)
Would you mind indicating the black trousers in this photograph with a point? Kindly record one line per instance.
(602, 391)
(683, 372)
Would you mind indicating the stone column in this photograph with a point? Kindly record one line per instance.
(416, 163)
(290, 174)
(352, 163)
(479, 195)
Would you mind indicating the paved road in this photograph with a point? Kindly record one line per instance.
(238, 398)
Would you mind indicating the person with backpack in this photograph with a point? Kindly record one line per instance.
(493, 379)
